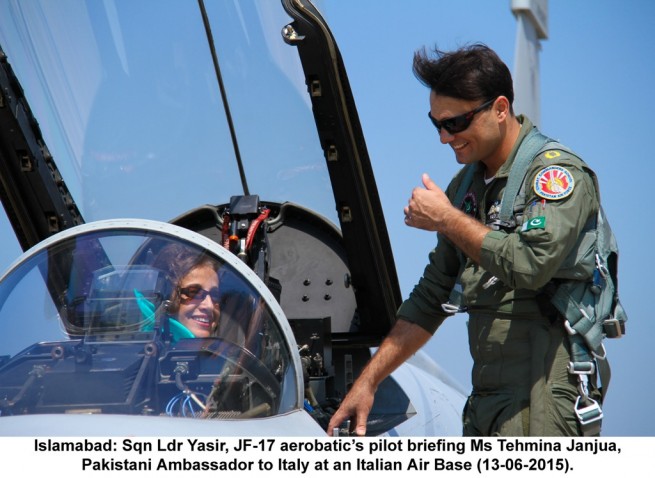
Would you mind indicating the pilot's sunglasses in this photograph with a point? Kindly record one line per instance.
(197, 293)
(457, 124)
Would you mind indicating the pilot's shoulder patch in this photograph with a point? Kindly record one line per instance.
(553, 182)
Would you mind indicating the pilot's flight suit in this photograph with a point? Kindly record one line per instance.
(521, 385)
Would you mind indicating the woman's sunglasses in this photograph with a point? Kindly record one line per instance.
(197, 293)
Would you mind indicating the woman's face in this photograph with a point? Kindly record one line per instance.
(199, 310)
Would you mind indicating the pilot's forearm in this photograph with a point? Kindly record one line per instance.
(402, 342)
(463, 231)
(404, 339)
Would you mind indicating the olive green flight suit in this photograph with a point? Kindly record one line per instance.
(521, 386)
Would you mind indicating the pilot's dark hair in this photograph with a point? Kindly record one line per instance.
(473, 72)
(177, 260)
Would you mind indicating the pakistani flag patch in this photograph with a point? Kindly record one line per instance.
(538, 222)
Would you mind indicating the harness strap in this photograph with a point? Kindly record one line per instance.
(584, 363)
(533, 143)
(464, 185)
(455, 301)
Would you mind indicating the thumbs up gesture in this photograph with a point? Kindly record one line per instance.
(428, 206)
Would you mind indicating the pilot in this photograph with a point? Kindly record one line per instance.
(521, 386)
(194, 302)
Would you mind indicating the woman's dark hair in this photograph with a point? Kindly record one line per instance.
(474, 72)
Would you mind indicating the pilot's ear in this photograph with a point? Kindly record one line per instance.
(502, 107)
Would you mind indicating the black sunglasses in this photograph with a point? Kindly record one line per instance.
(197, 293)
(457, 124)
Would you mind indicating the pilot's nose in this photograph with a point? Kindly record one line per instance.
(444, 136)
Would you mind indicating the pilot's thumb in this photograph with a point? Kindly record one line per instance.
(428, 183)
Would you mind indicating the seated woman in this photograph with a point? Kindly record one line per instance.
(194, 302)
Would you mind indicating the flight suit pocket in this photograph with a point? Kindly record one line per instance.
(560, 419)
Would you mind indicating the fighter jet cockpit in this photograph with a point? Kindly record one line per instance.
(133, 317)
(200, 227)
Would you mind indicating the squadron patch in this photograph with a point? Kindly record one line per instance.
(470, 205)
(553, 182)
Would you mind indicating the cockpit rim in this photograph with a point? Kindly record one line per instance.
(177, 232)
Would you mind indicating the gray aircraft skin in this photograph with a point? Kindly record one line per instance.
(228, 129)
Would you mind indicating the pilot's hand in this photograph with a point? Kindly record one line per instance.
(427, 207)
(356, 406)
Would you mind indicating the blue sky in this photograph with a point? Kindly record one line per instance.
(596, 80)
